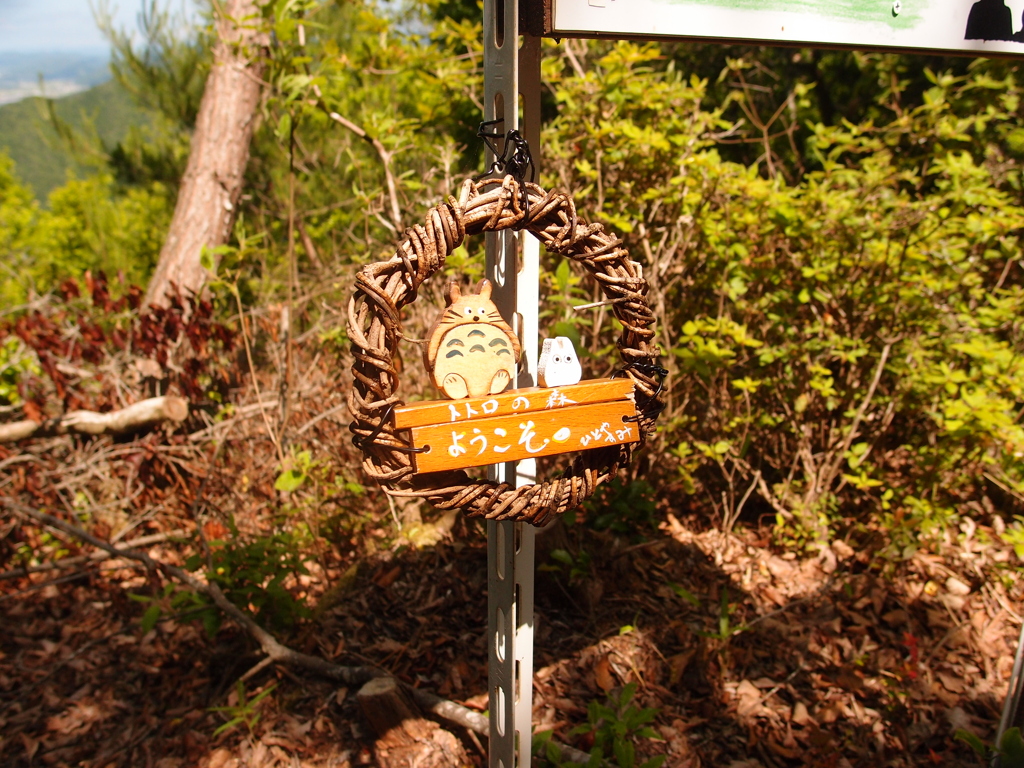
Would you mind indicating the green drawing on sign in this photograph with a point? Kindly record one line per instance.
(860, 11)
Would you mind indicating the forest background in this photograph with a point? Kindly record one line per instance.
(833, 245)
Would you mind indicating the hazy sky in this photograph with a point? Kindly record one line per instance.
(67, 25)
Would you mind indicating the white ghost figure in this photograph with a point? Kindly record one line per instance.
(559, 364)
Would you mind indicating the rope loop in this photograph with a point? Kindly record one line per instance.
(383, 288)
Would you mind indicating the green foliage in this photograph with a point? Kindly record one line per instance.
(15, 361)
(167, 73)
(460, 10)
(294, 473)
(244, 710)
(1010, 751)
(120, 162)
(837, 286)
(849, 339)
(252, 575)
(347, 59)
(165, 76)
(684, 593)
(175, 602)
(1013, 535)
(18, 213)
(90, 225)
(577, 567)
(726, 627)
(615, 727)
(621, 506)
(564, 294)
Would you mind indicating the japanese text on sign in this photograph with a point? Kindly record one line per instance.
(519, 436)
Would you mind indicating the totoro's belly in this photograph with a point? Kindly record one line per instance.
(477, 352)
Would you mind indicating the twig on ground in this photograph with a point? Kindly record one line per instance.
(945, 638)
(43, 585)
(254, 378)
(265, 662)
(793, 604)
(244, 412)
(320, 416)
(68, 562)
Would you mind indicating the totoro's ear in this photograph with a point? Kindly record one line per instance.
(452, 293)
(485, 288)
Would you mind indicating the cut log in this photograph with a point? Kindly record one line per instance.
(405, 739)
(135, 417)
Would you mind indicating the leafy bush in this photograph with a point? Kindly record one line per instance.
(615, 727)
(621, 506)
(838, 313)
(252, 575)
(843, 343)
(84, 350)
(90, 225)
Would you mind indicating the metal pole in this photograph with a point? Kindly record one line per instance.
(1011, 706)
(513, 269)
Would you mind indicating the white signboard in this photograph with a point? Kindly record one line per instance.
(979, 27)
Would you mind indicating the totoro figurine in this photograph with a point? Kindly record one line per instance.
(559, 364)
(471, 351)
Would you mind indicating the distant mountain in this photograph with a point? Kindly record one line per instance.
(53, 74)
(41, 159)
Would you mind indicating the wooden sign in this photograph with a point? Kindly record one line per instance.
(521, 424)
(976, 27)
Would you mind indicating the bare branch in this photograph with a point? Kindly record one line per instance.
(382, 152)
(840, 454)
(69, 562)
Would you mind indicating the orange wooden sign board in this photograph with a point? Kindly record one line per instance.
(523, 400)
(521, 424)
(523, 436)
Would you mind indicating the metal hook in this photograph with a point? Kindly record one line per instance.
(484, 136)
(514, 159)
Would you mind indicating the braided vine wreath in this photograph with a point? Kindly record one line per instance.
(375, 327)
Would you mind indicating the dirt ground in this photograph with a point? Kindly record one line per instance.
(751, 656)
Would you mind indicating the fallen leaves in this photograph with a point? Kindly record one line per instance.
(752, 657)
(80, 715)
(603, 674)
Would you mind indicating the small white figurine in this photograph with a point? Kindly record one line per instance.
(558, 365)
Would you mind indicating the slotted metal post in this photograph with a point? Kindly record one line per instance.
(513, 269)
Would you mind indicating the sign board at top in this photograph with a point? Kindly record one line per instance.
(977, 27)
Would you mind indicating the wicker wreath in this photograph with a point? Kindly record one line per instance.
(375, 329)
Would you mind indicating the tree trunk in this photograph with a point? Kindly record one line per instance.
(209, 191)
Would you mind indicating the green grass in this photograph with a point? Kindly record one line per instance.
(41, 159)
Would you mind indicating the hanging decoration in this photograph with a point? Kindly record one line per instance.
(472, 356)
